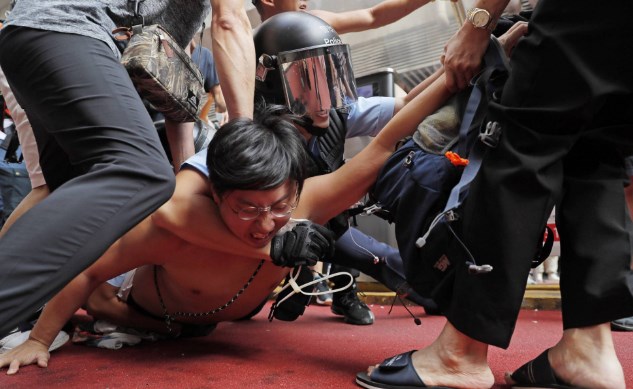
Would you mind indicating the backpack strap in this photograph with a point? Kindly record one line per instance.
(331, 144)
(488, 138)
(486, 85)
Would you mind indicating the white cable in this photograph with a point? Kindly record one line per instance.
(351, 235)
(296, 288)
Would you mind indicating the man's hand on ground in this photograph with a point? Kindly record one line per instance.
(27, 353)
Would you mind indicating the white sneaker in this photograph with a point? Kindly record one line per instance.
(17, 338)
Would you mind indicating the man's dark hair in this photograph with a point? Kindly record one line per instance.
(257, 154)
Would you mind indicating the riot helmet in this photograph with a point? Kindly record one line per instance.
(303, 64)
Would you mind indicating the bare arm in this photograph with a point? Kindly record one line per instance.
(401, 102)
(356, 176)
(234, 53)
(220, 104)
(192, 215)
(104, 304)
(180, 139)
(379, 15)
(463, 52)
(508, 40)
(120, 257)
(204, 111)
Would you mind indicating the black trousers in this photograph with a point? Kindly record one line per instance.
(100, 155)
(567, 118)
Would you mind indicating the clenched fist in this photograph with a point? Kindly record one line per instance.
(305, 244)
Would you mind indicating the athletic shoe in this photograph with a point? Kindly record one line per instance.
(323, 299)
(295, 305)
(346, 303)
(17, 337)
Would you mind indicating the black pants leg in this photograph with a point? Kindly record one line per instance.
(569, 98)
(100, 155)
(594, 227)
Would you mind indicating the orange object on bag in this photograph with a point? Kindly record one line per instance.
(455, 159)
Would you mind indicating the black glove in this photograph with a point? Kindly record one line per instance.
(305, 244)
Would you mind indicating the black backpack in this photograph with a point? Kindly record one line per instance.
(422, 192)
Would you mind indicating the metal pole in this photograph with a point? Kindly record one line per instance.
(458, 9)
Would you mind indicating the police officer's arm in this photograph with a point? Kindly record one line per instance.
(379, 15)
(349, 183)
(402, 101)
(234, 54)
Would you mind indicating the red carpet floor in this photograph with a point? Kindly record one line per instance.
(318, 350)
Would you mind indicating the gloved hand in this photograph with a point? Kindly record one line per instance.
(305, 244)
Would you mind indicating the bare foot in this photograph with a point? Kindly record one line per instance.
(453, 360)
(585, 358)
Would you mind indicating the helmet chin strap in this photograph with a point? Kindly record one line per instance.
(308, 124)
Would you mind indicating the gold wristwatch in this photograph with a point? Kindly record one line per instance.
(480, 18)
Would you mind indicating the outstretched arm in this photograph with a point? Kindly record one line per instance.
(234, 53)
(402, 101)
(508, 40)
(354, 178)
(122, 256)
(379, 15)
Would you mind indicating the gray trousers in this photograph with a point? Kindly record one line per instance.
(100, 155)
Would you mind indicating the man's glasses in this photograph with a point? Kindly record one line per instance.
(276, 210)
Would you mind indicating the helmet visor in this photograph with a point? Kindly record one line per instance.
(317, 79)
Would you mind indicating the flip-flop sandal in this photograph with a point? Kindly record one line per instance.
(538, 373)
(394, 373)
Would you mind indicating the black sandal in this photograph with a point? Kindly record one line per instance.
(538, 373)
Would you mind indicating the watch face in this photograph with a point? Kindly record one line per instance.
(480, 18)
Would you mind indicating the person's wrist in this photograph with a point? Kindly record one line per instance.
(481, 19)
(36, 340)
(471, 29)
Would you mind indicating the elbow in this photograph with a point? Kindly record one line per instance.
(95, 308)
(229, 20)
(101, 302)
